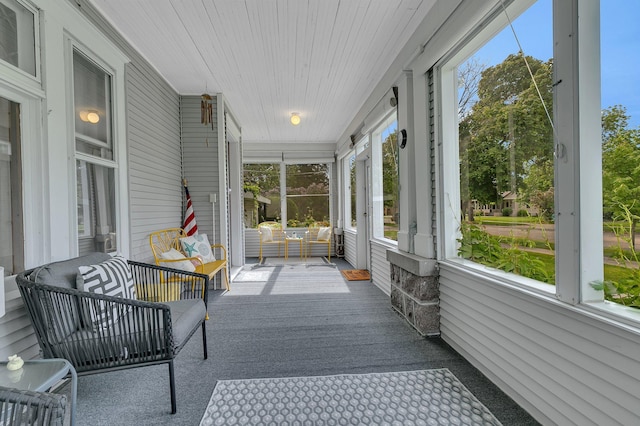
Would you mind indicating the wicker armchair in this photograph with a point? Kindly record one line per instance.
(24, 407)
(170, 306)
(270, 233)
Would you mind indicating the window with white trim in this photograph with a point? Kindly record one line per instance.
(384, 177)
(304, 188)
(619, 46)
(95, 166)
(18, 36)
(604, 162)
(505, 147)
(350, 189)
(11, 233)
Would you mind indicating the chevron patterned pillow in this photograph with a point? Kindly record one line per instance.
(111, 278)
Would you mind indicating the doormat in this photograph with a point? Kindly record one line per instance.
(356, 274)
(428, 397)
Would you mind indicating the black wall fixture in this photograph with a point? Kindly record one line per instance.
(402, 141)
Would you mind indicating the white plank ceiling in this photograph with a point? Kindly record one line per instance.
(321, 58)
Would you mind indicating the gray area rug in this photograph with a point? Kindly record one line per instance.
(277, 261)
(423, 397)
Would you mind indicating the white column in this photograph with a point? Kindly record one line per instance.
(406, 163)
(422, 169)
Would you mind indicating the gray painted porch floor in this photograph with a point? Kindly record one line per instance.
(282, 321)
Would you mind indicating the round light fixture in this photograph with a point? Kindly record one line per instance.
(295, 118)
(93, 117)
(90, 116)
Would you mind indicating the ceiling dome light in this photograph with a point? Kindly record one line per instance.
(295, 118)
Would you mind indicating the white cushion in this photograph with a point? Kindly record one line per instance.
(198, 246)
(267, 235)
(174, 254)
(324, 232)
(111, 278)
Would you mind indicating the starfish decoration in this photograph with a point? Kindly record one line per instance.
(190, 249)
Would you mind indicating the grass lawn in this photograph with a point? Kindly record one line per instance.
(611, 272)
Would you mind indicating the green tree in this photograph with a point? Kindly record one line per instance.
(507, 129)
(620, 167)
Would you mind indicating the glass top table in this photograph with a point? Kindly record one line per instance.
(40, 375)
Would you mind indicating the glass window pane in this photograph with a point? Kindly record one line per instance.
(96, 208)
(307, 194)
(352, 191)
(620, 45)
(390, 181)
(506, 149)
(17, 36)
(11, 240)
(261, 194)
(92, 98)
(385, 180)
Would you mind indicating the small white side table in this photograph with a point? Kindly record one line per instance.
(289, 240)
(40, 375)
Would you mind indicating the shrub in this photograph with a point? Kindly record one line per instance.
(523, 213)
(507, 211)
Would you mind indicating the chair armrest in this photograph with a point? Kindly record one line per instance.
(222, 249)
(22, 406)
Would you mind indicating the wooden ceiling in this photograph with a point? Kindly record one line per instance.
(320, 58)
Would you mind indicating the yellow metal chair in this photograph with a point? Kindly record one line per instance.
(318, 233)
(166, 239)
(270, 233)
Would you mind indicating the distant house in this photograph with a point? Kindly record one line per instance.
(254, 212)
(510, 201)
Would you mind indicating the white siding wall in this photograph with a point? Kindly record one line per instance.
(200, 163)
(155, 190)
(380, 267)
(16, 333)
(350, 252)
(561, 364)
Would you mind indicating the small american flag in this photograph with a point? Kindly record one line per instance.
(190, 226)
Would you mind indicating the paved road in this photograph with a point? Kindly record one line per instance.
(545, 232)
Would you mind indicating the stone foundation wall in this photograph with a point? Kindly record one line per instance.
(415, 293)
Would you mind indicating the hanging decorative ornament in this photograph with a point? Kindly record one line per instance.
(206, 110)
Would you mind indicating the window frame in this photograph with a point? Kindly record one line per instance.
(577, 170)
(116, 126)
(377, 185)
(283, 185)
(17, 76)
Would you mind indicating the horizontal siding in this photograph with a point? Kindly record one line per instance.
(380, 267)
(563, 365)
(155, 190)
(200, 162)
(16, 332)
(350, 252)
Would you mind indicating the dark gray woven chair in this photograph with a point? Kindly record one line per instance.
(24, 407)
(170, 306)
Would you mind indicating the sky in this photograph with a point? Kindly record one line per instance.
(620, 49)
